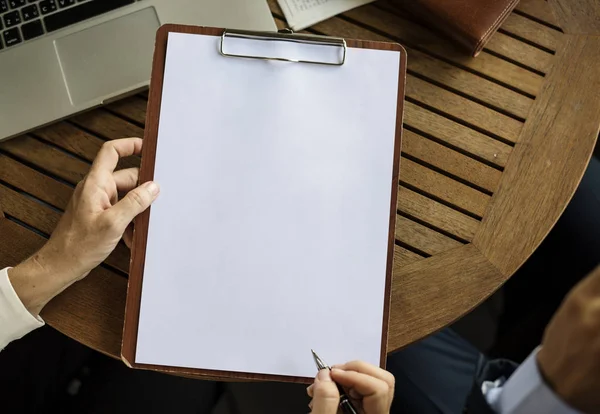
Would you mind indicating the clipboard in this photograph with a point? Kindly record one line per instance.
(340, 49)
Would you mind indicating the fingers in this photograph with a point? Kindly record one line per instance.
(111, 151)
(376, 393)
(326, 397)
(366, 368)
(127, 179)
(135, 202)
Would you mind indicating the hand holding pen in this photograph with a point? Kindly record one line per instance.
(368, 389)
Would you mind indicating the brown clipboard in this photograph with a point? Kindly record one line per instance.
(138, 251)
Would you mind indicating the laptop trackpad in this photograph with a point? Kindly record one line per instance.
(110, 58)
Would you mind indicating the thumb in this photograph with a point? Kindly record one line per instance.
(326, 397)
(135, 202)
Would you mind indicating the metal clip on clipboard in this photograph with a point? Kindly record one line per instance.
(285, 35)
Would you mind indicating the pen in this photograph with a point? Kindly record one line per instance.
(345, 403)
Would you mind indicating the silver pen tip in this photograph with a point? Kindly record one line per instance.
(318, 361)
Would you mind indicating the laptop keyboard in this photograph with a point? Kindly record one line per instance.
(22, 20)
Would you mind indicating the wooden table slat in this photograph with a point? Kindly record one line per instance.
(57, 162)
(45, 219)
(399, 29)
(107, 125)
(403, 257)
(423, 238)
(71, 139)
(76, 141)
(27, 210)
(413, 35)
(469, 84)
(505, 46)
(448, 75)
(119, 258)
(538, 9)
(443, 188)
(133, 108)
(450, 161)
(532, 31)
(458, 107)
(46, 157)
(35, 183)
(17, 243)
(436, 214)
(456, 135)
(520, 52)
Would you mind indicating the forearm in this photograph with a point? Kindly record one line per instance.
(89, 230)
(37, 280)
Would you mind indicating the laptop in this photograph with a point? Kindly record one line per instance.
(61, 57)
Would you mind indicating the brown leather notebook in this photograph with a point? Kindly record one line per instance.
(471, 23)
(219, 302)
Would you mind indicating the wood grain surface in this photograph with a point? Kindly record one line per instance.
(421, 287)
(494, 149)
(538, 10)
(580, 17)
(533, 192)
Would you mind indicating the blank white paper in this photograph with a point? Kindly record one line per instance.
(270, 234)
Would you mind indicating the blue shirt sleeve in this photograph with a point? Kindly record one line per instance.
(525, 392)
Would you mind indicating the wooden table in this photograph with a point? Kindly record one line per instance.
(494, 148)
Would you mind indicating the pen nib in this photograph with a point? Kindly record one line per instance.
(320, 364)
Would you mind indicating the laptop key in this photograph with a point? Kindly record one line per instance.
(12, 18)
(30, 12)
(82, 12)
(11, 36)
(65, 3)
(16, 3)
(3, 6)
(32, 29)
(47, 6)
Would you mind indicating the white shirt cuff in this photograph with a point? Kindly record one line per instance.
(525, 392)
(15, 319)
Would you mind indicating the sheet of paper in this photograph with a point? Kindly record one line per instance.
(301, 14)
(270, 234)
